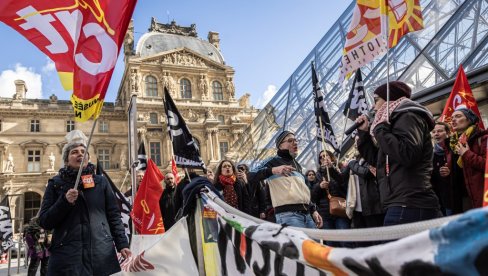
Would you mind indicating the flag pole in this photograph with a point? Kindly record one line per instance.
(85, 154)
(387, 169)
(132, 111)
(324, 145)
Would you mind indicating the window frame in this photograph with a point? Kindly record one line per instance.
(31, 165)
(103, 127)
(217, 91)
(151, 87)
(70, 125)
(155, 152)
(185, 89)
(35, 125)
(105, 161)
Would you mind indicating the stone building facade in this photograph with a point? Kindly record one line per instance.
(32, 130)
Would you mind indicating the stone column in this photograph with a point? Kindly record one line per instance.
(210, 146)
(217, 144)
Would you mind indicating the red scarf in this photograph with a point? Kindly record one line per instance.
(230, 196)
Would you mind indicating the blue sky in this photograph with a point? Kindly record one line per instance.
(264, 41)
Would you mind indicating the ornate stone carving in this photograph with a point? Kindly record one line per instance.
(244, 101)
(203, 86)
(169, 82)
(209, 114)
(53, 99)
(134, 80)
(10, 167)
(52, 159)
(172, 28)
(229, 86)
(129, 39)
(192, 116)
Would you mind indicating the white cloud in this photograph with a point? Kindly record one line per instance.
(267, 95)
(32, 81)
(48, 67)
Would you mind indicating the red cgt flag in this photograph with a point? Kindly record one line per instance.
(146, 214)
(174, 170)
(485, 194)
(82, 38)
(461, 94)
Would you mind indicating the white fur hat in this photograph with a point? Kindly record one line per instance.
(75, 139)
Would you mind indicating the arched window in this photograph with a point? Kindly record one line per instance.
(151, 86)
(218, 95)
(32, 203)
(185, 89)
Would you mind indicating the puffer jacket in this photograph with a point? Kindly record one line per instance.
(407, 142)
(84, 233)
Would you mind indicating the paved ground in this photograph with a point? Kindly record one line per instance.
(4, 271)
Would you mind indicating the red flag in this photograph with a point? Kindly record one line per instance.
(146, 214)
(461, 94)
(82, 38)
(174, 170)
(485, 194)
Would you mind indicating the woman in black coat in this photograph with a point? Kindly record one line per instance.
(86, 222)
(233, 190)
(334, 187)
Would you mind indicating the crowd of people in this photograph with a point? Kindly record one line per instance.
(407, 167)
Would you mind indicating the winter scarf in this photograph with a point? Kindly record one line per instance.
(381, 115)
(463, 139)
(230, 196)
(69, 174)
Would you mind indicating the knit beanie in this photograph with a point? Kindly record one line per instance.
(470, 115)
(398, 89)
(282, 136)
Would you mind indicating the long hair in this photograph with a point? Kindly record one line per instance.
(218, 171)
(331, 156)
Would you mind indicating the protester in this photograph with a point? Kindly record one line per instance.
(210, 175)
(139, 177)
(469, 145)
(441, 174)
(234, 190)
(311, 179)
(404, 136)
(368, 211)
(333, 187)
(86, 221)
(38, 243)
(257, 196)
(167, 202)
(289, 194)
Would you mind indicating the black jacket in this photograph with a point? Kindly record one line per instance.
(336, 188)
(257, 199)
(167, 205)
(84, 233)
(407, 142)
(368, 188)
(243, 202)
(442, 185)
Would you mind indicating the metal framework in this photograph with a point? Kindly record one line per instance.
(456, 32)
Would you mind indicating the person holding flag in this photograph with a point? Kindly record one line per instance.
(404, 136)
(86, 221)
(468, 143)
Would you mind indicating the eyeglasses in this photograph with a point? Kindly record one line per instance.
(291, 140)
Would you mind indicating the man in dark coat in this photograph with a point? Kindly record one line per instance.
(167, 202)
(86, 221)
(403, 136)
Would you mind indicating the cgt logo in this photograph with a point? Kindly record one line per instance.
(46, 22)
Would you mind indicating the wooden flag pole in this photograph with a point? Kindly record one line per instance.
(387, 169)
(324, 145)
(85, 154)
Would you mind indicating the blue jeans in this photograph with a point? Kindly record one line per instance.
(399, 215)
(296, 219)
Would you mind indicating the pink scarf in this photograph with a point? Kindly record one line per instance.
(381, 115)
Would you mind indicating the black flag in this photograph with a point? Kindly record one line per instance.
(321, 115)
(185, 149)
(5, 225)
(141, 155)
(123, 202)
(356, 103)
